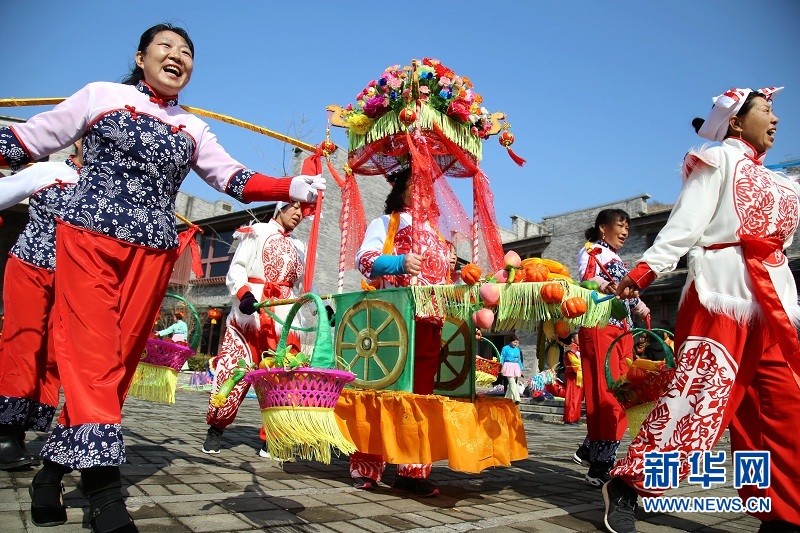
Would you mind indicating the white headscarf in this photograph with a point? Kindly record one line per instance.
(278, 206)
(726, 105)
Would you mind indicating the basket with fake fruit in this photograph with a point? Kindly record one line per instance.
(644, 382)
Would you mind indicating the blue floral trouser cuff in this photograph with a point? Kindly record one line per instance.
(27, 413)
(85, 446)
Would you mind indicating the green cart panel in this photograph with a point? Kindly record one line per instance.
(374, 334)
(456, 375)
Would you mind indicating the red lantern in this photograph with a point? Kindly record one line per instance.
(408, 116)
(214, 315)
(506, 138)
(327, 147)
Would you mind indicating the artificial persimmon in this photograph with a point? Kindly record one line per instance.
(573, 307)
(471, 273)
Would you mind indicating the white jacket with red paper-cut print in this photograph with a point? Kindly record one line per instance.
(727, 194)
(269, 263)
(433, 249)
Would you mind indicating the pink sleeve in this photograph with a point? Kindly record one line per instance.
(58, 128)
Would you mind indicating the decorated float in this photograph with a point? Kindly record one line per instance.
(426, 116)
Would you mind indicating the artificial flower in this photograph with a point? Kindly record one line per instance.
(358, 123)
(458, 109)
(376, 106)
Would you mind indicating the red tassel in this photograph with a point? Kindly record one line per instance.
(517, 159)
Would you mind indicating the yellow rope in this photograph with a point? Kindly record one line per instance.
(21, 102)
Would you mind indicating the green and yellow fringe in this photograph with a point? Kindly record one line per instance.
(308, 432)
(154, 383)
(389, 124)
(520, 307)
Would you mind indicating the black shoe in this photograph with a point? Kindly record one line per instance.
(365, 483)
(620, 500)
(598, 474)
(213, 440)
(416, 486)
(778, 526)
(581, 456)
(113, 516)
(47, 503)
(12, 455)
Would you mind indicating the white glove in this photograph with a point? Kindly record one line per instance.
(304, 188)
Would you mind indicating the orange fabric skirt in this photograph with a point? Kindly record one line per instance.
(412, 428)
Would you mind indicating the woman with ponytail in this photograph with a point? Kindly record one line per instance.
(737, 347)
(598, 261)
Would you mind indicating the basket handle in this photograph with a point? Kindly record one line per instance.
(323, 356)
(668, 355)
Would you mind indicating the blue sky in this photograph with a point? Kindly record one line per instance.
(599, 95)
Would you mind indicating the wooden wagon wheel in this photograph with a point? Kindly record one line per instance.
(373, 331)
(455, 356)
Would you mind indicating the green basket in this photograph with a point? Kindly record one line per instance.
(639, 398)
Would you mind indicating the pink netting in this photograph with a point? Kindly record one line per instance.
(434, 156)
(165, 353)
(305, 387)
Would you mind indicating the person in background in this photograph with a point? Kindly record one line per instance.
(738, 352)
(179, 330)
(116, 246)
(386, 256)
(29, 379)
(599, 261)
(511, 359)
(573, 377)
(268, 261)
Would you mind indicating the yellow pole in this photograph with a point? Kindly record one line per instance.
(22, 102)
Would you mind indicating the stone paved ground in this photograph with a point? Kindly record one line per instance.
(173, 487)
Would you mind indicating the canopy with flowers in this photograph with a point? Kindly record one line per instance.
(429, 117)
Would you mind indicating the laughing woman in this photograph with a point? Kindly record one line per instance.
(115, 248)
(737, 348)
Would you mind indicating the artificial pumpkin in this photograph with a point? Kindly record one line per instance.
(636, 374)
(562, 329)
(552, 293)
(573, 307)
(535, 272)
(471, 273)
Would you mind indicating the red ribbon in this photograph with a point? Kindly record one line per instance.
(312, 166)
(591, 266)
(186, 238)
(755, 251)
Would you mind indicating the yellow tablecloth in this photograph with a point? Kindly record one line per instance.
(411, 428)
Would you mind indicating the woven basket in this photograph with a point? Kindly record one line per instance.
(636, 416)
(297, 405)
(488, 366)
(639, 398)
(156, 377)
(304, 387)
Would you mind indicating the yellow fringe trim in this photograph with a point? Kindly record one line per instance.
(154, 383)
(307, 432)
(482, 379)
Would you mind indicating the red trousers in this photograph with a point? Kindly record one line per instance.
(28, 368)
(573, 398)
(427, 346)
(107, 294)
(729, 375)
(605, 417)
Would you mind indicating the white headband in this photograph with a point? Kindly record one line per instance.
(278, 206)
(726, 105)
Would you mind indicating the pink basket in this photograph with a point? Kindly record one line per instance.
(164, 353)
(304, 387)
